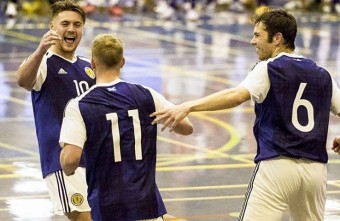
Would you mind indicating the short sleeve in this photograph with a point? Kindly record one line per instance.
(257, 82)
(73, 129)
(335, 102)
(41, 76)
(160, 102)
(42, 72)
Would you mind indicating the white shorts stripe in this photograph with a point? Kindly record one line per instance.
(249, 189)
(68, 193)
(62, 191)
(296, 186)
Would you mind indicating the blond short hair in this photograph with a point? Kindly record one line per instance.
(107, 49)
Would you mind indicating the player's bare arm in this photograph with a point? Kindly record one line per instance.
(27, 73)
(224, 99)
(172, 116)
(336, 142)
(70, 158)
(336, 145)
(184, 127)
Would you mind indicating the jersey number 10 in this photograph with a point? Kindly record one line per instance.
(81, 87)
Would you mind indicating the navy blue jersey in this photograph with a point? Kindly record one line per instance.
(120, 153)
(64, 80)
(293, 119)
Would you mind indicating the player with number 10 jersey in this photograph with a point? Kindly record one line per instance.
(58, 81)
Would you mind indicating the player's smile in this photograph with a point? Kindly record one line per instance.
(69, 39)
(69, 25)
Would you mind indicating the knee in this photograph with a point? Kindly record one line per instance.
(79, 216)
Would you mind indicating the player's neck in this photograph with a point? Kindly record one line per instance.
(64, 54)
(282, 49)
(106, 76)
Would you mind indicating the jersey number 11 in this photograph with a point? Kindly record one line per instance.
(113, 117)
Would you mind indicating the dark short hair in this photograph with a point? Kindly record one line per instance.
(278, 20)
(67, 5)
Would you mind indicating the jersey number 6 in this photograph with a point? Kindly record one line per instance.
(309, 107)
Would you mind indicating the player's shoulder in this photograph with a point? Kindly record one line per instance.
(48, 55)
(260, 65)
(83, 58)
(139, 88)
(145, 88)
(133, 84)
(51, 55)
(51, 58)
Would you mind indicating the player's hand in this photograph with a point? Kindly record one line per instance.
(336, 145)
(49, 38)
(69, 173)
(170, 117)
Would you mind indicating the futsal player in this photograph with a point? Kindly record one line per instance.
(54, 74)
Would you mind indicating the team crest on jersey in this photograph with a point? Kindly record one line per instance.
(77, 199)
(89, 72)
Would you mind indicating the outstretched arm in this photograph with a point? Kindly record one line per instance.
(70, 158)
(184, 127)
(225, 99)
(27, 73)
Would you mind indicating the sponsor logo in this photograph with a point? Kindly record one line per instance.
(89, 72)
(62, 71)
(77, 199)
(112, 89)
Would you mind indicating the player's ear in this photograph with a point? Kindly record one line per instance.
(51, 26)
(93, 64)
(278, 38)
(122, 62)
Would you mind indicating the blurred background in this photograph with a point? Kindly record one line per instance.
(184, 50)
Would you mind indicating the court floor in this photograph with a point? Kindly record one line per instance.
(201, 177)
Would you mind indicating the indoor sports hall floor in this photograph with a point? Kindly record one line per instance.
(201, 177)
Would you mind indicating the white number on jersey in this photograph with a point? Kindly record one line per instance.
(309, 107)
(81, 87)
(113, 117)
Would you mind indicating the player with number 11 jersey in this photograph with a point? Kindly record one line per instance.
(111, 122)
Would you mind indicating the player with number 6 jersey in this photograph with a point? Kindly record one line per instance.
(293, 98)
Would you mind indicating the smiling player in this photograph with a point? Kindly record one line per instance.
(293, 97)
(54, 75)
